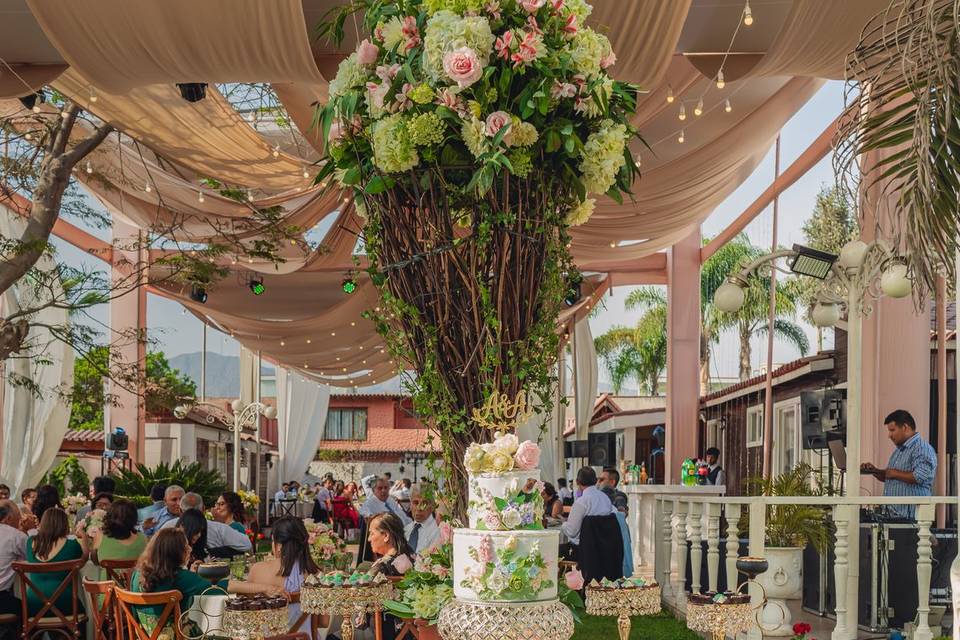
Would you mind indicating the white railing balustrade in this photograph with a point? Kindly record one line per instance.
(691, 516)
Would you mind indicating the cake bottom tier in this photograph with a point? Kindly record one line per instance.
(505, 566)
(549, 620)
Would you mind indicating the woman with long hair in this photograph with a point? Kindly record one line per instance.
(291, 561)
(52, 543)
(118, 539)
(47, 496)
(343, 507)
(194, 526)
(394, 555)
(552, 505)
(229, 510)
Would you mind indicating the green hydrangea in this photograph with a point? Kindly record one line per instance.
(393, 149)
(350, 74)
(602, 156)
(587, 49)
(446, 31)
(580, 8)
(425, 129)
(581, 212)
(427, 600)
(421, 94)
(456, 6)
(522, 134)
(589, 105)
(474, 137)
(521, 161)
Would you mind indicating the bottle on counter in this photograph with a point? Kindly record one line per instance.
(642, 474)
(702, 472)
(688, 472)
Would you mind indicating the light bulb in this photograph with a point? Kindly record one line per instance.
(636, 162)
(680, 138)
(309, 341)
(282, 343)
(698, 110)
(147, 188)
(747, 14)
(683, 112)
(89, 168)
(306, 174)
(200, 196)
(721, 83)
(276, 151)
(64, 114)
(36, 108)
(93, 94)
(28, 136)
(726, 105)
(249, 196)
(670, 97)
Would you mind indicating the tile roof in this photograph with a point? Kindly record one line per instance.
(785, 369)
(83, 435)
(385, 441)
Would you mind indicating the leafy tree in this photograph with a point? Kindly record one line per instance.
(165, 387)
(639, 352)
(68, 470)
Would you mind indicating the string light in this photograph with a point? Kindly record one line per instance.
(683, 112)
(276, 151)
(726, 105)
(147, 188)
(306, 173)
(64, 114)
(249, 196)
(200, 196)
(613, 245)
(93, 94)
(29, 136)
(670, 97)
(680, 138)
(721, 83)
(36, 108)
(698, 110)
(747, 14)
(637, 162)
(309, 341)
(89, 168)
(282, 343)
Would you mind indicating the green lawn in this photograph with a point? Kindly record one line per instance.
(659, 627)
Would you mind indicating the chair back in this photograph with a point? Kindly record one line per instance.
(50, 616)
(119, 571)
(129, 626)
(101, 608)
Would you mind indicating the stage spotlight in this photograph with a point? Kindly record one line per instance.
(349, 284)
(256, 286)
(198, 294)
(811, 262)
(193, 91)
(30, 101)
(573, 290)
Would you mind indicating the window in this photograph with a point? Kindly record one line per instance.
(755, 426)
(713, 434)
(786, 439)
(346, 424)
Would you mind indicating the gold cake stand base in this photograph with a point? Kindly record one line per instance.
(549, 620)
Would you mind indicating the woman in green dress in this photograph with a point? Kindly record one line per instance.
(229, 510)
(162, 567)
(117, 538)
(52, 544)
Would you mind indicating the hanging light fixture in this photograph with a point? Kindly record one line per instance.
(198, 294)
(200, 196)
(249, 196)
(726, 105)
(698, 110)
(256, 286)
(683, 113)
(93, 94)
(681, 138)
(147, 188)
(89, 168)
(192, 91)
(306, 172)
(721, 83)
(276, 151)
(670, 96)
(747, 14)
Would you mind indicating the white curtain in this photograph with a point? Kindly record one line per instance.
(585, 375)
(302, 415)
(34, 420)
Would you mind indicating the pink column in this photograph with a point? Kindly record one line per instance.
(683, 353)
(128, 313)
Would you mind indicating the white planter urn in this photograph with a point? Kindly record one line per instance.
(782, 581)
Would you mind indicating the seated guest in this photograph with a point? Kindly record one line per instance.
(381, 502)
(4, 492)
(27, 498)
(563, 491)
(423, 533)
(13, 547)
(162, 567)
(171, 510)
(228, 509)
(118, 539)
(101, 501)
(394, 557)
(552, 505)
(47, 498)
(52, 543)
(609, 480)
(194, 526)
(99, 486)
(290, 563)
(156, 495)
(343, 509)
(594, 531)
(223, 541)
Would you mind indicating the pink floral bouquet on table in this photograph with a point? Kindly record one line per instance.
(428, 585)
(326, 548)
(93, 523)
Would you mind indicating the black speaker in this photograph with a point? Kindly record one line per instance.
(603, 449)
(810, 420)
(576, 449)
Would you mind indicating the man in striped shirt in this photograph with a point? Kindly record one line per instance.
(912, 465)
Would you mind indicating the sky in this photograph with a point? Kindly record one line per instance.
(176, 332)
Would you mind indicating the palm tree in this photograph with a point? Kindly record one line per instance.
(753, 317)
(639, 352)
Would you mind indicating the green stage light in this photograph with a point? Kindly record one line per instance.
(256, 286)
(349, 285)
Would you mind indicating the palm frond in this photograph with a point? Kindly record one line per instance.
(789, 332)
(645, 298)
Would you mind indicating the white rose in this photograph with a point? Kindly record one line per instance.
(511, 518)
(508, 442)
(497, 582)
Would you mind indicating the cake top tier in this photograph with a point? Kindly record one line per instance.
(506, 453)
(505, 501)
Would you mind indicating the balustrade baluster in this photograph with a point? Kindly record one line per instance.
(696, 545)
(666, 588)
(841, 518)
(713, 545)
(680, 588)
(925, 514)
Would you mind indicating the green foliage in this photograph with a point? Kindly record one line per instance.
(69, 477)
(165, 387)
(793, 525)
(832, 224)
(639, 352)
(191, 476)
(663, 626)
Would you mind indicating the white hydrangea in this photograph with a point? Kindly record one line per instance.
(602, 156)
(587, 49)
(446, 31)
(581, 212)
(350, 74)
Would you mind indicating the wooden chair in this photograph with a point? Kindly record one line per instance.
(314, 619)
(119, 571)
(128, 624)
(101, 610)
(50, 619)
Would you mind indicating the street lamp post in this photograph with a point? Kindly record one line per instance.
(861, 274)
(243, 416)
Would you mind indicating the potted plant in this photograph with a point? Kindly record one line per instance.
(789, 528)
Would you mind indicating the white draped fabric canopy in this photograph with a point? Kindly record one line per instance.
(301, 415)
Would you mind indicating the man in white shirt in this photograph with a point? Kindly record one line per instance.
(423, 533)
(592, 502)
(563, 491)
(381, 502)
(13, 546)
(219, 535)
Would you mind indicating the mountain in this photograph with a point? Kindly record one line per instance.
(223, 372)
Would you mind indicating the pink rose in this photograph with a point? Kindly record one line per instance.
(402, 563)
(608, 60)
(496, 121)
(367, 52)
(527, 456)
(462, 66)
(532, 6)
(491, 520)
(446, 532)
(574, 580)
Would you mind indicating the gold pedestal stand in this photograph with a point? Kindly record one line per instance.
(347, 602)
(623, 603)
(255, 624)
(464, 620)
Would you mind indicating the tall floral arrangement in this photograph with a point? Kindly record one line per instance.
(471, 134)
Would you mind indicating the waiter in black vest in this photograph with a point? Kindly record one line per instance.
(715, 474)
